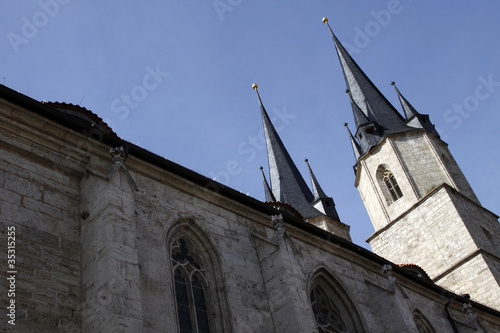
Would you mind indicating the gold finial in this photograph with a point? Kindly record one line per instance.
(325, 20)
(255, 86)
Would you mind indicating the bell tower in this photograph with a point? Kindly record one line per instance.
(420, 203)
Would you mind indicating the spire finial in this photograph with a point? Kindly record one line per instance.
(394, 85)
(325, 21)
(256, 88)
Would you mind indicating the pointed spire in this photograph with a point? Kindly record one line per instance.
(355, 146)
(413, 117)
(364, 93)
(287, 184)
(408, 109)
(321, 201)
(267, 190)
(318, 192)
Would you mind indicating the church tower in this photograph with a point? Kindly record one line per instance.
(420, 203)
(289, 191)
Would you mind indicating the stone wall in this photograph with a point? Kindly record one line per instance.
(94, 238)
(438, 235)
(39, 196)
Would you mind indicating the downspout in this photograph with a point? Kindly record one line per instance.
(448, 314)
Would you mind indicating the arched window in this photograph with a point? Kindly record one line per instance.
(423, 325)
(327, 315)
(198, 296)
(392, 185)
(190, 287)
(333, 310)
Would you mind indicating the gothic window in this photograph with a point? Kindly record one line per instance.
(423, 325)
(392, 185)
(333, 310)
(327, 315)
(190, 287)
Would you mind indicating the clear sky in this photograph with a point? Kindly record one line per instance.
(175, 78)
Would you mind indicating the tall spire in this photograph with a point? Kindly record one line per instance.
(365, 96)
(267, 190)
(321, 201)
(287, 184)
(413, 117)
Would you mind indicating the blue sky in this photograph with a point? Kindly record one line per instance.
(175, 78)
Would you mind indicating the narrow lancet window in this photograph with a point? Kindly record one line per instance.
(190, 288)
(392, 185)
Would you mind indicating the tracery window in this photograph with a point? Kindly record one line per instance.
(423, 325)
(190, 287)
(392, 185)
(327, 314)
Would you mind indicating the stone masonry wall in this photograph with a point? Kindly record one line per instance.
(39, 197)
(419, 162)
(379, 205)
(427, 236)
(436, 236)
(484, 288)
(94, 256)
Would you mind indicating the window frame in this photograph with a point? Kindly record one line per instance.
(218, 311)
(190, 269)
(337, 294)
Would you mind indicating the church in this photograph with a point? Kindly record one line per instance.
(101, 235)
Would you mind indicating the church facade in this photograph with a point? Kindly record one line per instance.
(110, 237)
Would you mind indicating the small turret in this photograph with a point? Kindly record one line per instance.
(413, 117)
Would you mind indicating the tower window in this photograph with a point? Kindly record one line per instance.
(190, 288)
(392, 185)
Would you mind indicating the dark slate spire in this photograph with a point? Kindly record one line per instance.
(366, 97)
(321, 201)
(359, 117)
(317, 190)
(368, 132)
(408, 109)
(287, 184)
(413, 117)
(355, 145)
(267, 190)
